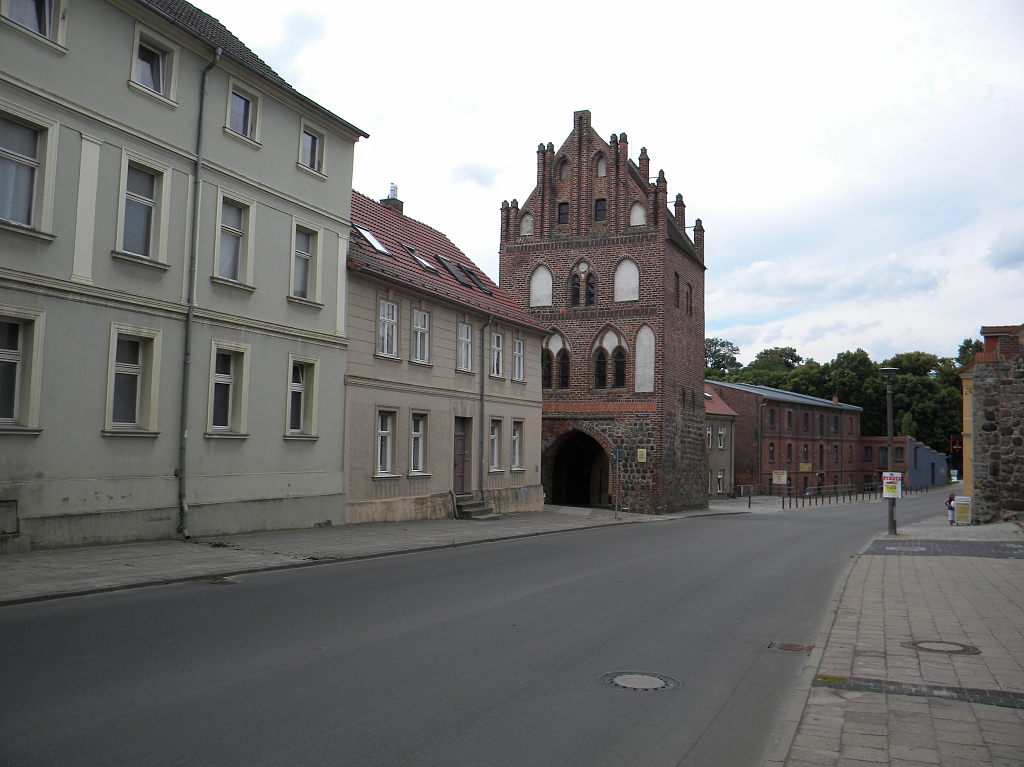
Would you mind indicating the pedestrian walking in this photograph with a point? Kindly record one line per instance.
(950, 507)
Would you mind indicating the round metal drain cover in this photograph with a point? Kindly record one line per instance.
(938, 645)
(640, 681)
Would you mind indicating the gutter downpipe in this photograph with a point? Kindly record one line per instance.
(193, 267)
(483, 380)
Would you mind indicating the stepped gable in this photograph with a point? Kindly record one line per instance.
(395, 230)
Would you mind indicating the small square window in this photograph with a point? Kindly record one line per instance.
(153, 69)
(243, 113)
(311, 149)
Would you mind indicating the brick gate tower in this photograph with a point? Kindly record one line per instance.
(597, 256)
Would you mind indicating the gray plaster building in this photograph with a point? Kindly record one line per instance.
(173, 223)
(443, 388)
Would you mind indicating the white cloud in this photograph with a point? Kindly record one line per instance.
(858, 167)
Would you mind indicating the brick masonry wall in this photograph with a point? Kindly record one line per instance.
(998, 449)
(669, 421)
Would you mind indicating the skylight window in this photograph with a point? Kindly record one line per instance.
(455, 271)
(420, 259)
(374, 242)
(475, 278)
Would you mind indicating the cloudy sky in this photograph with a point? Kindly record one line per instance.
(859, 167)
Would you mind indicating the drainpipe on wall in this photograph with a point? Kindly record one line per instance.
(760, 442)
(193, 266)
(483, 379)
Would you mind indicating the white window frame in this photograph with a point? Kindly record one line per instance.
(251, 131)
(721, 481)
(312, 260)
(161, 208)
(238, 380)
(28, 359)
(464, 360)
(387, 327)
(497, 346)
(56, 19)
(721, 438)
(40, 221)
(418, 426)
(384, 457)
(420, 351)
(495, 444)
(148, 371)
(308, 389)
(710, 433)
(518, 359)
(517, 444)
(318, 163)
(244, 267)
(168, 52)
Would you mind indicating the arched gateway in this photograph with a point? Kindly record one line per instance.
(578, 473)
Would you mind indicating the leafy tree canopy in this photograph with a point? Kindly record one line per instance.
(968, 348)
(720, 358)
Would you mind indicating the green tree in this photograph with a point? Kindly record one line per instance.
(770, 367)
(968, 348)
(720, 358)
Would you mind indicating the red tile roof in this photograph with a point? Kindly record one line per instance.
(713, 404)
(393, 230)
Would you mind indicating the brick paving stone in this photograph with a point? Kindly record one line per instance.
(914, 753)
(868, 741)
(820, 757)
(959, 751)
(865, 754)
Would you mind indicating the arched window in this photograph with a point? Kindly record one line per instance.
(574, 290)
(619, 368)
(563, 369)
(545, 369)
(563, 170)
(627, 281)
(526, 224)
(637, 215)
(601, 168)
(601, 370)
(644, 375)
(591, 285)
(540, 286)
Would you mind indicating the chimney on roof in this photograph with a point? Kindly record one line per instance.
(392, 201)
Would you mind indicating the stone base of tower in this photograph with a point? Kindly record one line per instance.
(579, 466)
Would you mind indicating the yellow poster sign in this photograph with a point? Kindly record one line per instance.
(962, 510)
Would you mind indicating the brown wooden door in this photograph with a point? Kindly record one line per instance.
(459, 456)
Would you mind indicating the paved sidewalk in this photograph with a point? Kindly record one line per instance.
(67, 572)
(871, 697)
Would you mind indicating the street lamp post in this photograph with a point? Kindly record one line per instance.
(889, 373)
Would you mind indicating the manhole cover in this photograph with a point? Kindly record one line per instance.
(938, 645)
(640, 681)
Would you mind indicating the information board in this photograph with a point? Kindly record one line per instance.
(892, 484)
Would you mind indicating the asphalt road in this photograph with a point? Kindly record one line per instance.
(482, 655)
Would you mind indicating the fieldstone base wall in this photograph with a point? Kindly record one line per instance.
(998, 452)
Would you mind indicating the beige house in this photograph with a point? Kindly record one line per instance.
(173, 219)
(443, 390)
(720, 444)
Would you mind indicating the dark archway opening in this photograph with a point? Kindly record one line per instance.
(580, 473)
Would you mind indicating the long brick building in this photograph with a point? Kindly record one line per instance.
(596, 255)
